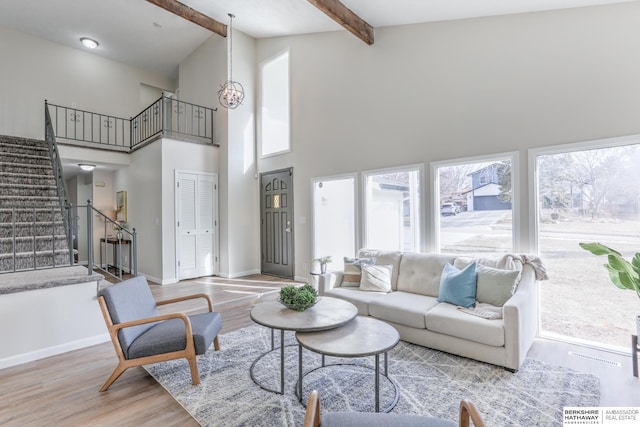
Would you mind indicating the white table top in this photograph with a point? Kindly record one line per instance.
(363, 336)
(326, 314)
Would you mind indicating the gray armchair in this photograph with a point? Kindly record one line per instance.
(140, 335)
(468, 412)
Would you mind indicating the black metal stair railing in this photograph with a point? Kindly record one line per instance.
(165, 117)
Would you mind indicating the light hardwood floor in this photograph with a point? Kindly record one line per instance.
(63, 390)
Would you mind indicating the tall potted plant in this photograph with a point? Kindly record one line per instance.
(623, 274)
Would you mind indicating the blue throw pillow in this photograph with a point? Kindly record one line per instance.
(458, 287)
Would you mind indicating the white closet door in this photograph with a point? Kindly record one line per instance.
(196, 224)
(206, 225)
(187, 226)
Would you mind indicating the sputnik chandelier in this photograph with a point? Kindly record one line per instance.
(231, 94)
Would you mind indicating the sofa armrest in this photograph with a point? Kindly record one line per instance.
(329, 281)
(521, 319)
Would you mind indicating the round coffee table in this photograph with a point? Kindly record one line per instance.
(328, 313)
(363, 336)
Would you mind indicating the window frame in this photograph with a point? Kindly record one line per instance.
(416, 167)
(356, 216)
(434, 223)
(287, 53)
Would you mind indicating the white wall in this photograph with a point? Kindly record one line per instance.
(201, 75)
(446, 90)
(34, 69)
(144, 208)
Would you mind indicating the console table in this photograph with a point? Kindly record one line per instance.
(116, 243)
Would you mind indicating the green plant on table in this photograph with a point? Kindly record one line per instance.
(323, 259)
(623, 274)
(298, 298)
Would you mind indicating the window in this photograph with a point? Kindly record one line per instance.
(586, 192)
(473, 206)
(334, 219)
(393, 209)
(274, 107)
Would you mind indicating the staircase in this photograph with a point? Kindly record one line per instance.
(31, 220)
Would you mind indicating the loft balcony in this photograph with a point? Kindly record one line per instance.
(165, 118)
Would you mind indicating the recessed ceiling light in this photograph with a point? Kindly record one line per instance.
(86, 167)
(89, 43)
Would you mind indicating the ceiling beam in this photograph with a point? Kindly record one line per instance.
(345, 17)
(184, 11)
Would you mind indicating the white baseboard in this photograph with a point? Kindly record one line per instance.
(19, 359)
(238, 274)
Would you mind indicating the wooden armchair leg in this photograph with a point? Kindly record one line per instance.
(216, 344)
(114, 376)
(193, 365)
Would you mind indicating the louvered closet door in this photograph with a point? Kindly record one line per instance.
(187, 226)
(206, 225)
(196, 224)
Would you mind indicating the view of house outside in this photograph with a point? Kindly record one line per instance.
(583, 196)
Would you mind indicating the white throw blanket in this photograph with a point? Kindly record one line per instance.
(486, 311)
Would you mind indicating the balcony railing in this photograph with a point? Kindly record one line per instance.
(166, 117)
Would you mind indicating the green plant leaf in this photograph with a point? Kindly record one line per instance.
(622, 265)
(599, 249)
(614, 275)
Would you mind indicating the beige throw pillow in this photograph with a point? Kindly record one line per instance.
(376, 278)
(353, 271)
(495, 286)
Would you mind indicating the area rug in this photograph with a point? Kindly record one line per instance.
(429, 382)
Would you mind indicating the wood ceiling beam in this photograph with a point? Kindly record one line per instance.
(345, 17)
(184, 11)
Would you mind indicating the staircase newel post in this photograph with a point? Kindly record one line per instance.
(134, 243)
(70, 230)
(89, 238)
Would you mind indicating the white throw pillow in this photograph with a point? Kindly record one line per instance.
(495, 286)
(376, 278)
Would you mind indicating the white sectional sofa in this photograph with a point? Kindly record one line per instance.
(413, 309)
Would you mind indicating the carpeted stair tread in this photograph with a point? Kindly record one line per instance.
(26, 159)
(17, 140)
(27, 165)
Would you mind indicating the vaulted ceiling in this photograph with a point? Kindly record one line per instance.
(141, 34)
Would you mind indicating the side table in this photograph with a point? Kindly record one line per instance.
(634, 354)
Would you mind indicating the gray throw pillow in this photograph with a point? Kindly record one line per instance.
(495, 286)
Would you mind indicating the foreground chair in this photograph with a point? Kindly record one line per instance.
(141, 335)
(468, 411)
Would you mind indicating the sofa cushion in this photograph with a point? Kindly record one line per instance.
(495, 286)
(391, 258)
(447, 319)
(353, 270)
(403, 308)
(420, 273)
(376, 278)
(458, 286)
(356, 297)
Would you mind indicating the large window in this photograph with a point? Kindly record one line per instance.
(393, 209)
(274, 105)
(334, 219)
(588, 192)
(473, 206)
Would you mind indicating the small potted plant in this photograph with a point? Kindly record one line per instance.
(623, 274)
(298, 298)
(323, 261)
